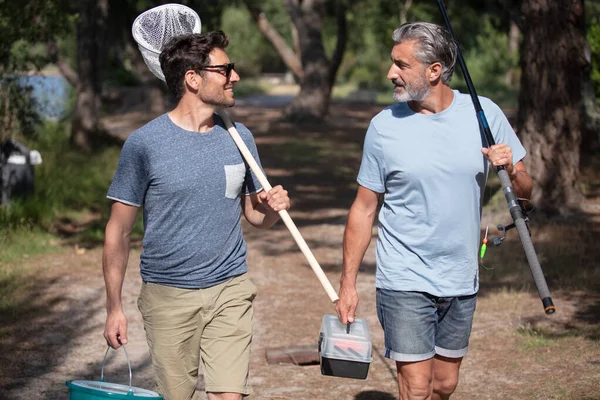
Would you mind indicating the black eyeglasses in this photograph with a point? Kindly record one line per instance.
(223, 69)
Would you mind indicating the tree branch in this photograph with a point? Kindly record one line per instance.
(291, 60)
(404, 11)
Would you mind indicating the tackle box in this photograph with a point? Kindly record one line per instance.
(344, 352)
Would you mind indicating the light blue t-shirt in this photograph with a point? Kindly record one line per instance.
(189, 184)
(432, 173)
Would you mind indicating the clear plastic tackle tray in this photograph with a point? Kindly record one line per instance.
(344, 352)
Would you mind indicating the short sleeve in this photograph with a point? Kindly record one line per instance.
(372, 171)
(503, 131)
(130, 182)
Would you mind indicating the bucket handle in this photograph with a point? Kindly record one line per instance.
(128, 364)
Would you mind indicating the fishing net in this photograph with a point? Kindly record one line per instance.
(155, 27)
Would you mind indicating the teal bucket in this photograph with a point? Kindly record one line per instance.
(100, 390)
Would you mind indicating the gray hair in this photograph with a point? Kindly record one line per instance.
(434, 44)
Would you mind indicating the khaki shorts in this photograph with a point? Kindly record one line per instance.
(185, 327)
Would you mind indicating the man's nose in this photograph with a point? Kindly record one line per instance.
(392, 73)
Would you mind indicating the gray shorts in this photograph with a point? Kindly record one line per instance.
(418, 326)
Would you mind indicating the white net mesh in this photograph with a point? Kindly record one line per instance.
(155, 27)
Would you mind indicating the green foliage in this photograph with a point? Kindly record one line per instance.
(65, 181)
(367, 68)
(118, 76)
(488, 62)
(26, 27)
(593, 38)
(18, 107)
(248, 48)
(246, 42)
(481, 29)
(366, 59)
(69, 187)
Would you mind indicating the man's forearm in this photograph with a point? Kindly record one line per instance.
(357, 237)
(522, 183)
(114, 265)
(262, 218)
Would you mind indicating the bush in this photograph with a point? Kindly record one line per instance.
(66, 182)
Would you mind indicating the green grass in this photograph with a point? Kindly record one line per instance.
(16, 249)
(531, 339)
(24, 243)
(69, 187)
(11, 283)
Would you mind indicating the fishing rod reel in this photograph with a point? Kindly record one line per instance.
(526, 209)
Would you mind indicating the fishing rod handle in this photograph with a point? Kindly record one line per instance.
(532, 259)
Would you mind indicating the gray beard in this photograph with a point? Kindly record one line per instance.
(412, 93)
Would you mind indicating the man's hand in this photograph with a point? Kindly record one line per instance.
(500, 155)
(275, 199)
(115, 330)
(347, 304)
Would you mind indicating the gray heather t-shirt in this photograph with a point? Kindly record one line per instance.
(432, 173)
(189, 184)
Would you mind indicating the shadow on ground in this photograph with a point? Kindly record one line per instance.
(374, 395)
(40, 329)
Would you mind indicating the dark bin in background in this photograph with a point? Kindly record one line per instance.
(16, 170)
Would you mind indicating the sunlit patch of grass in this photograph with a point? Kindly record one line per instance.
(24, 243)
(16, 249)
(533, 339)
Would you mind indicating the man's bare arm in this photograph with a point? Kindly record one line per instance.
(357, 237)
(262, 209)
(114, 265)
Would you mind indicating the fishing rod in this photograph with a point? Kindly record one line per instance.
(511, 197)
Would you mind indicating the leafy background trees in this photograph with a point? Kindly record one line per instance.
(328, 47)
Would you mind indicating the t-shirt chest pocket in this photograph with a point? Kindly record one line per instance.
(234, 178)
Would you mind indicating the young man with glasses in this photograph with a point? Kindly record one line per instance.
(186, 172)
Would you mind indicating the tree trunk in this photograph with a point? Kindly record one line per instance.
(513, 46)
(91, 35)
(550, 101)
(309, 63)
(312, 103)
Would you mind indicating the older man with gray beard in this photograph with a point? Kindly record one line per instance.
(427, 157)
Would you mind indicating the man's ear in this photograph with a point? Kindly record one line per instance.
(192, 80)
(435, 71)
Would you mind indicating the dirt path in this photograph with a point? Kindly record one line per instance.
(63, 339)
(515, 353)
